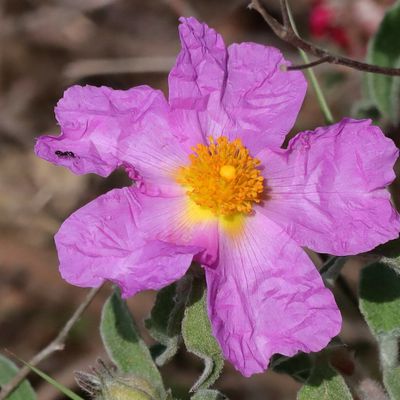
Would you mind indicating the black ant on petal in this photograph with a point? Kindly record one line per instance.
(64, 154)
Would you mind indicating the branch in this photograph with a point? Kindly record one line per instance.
(56, 345)
(308, 65)
(285, 13)
(286, 33)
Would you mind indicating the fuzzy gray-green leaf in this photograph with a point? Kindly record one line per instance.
(7, 371)
(324, 384)
(164, 323)
(380, 298)
(366, 109)
(391, 379)
(395, 95)
(196, 331)
(298, 367)
(124, 344)
(385, 51)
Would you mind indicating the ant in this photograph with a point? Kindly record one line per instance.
(64, 154)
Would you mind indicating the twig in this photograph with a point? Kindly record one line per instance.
(285, 13)
(308, 65)
(311, 75)
(56, 345)
(331, 270)
(286, 33)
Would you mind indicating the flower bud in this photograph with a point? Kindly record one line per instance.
(107, 384)
(128, 388)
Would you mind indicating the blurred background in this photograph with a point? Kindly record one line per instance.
(48, 45)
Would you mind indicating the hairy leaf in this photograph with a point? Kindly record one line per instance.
(380, 298)
(391, 379)
(196, 331)
(7, 371)
(389, 249)
(298, 367)
(395, 94)
(385, 51)
(124, 344)
(164, 323)
(366, 109)
(324, 384)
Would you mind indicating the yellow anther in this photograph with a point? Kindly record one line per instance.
(223, 177)
(228, 172)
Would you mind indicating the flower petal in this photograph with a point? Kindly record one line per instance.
(267, 297)
(196, 81)
(177, 220)
(101, 242)
(242, 92)
(261, 100)
(328, 189)
(102, 129)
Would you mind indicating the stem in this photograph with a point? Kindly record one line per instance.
(332, 269)
(309, 65)
(312, 77)
(289, 35)
(56, 345)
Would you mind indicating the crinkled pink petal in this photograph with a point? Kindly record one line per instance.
(328, 189)
(267, 297)
(260, 99)
(167, 219)
(196, 81)
(102, 242)
(94, 121)
(239, 92)
(102, 129)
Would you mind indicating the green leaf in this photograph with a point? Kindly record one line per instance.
(389, 356)
(389, 249)
(391, 379)
(385, 51)
(298, 367)
(59, 386)
(366, 109)
(380, 299)
(208, 395)
(196, 331)
(164, 323)
(124, 344)
(388, 350)
(7, 371)
(380, 302)
(324, 384)
(395, 95)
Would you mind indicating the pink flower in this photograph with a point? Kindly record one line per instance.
(325, 22)
(214, 186)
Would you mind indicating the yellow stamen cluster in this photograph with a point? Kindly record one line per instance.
(223, 177)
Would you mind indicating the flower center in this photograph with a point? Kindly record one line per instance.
(223, 177)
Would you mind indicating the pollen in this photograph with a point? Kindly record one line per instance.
(223, 177)
(228, 172)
